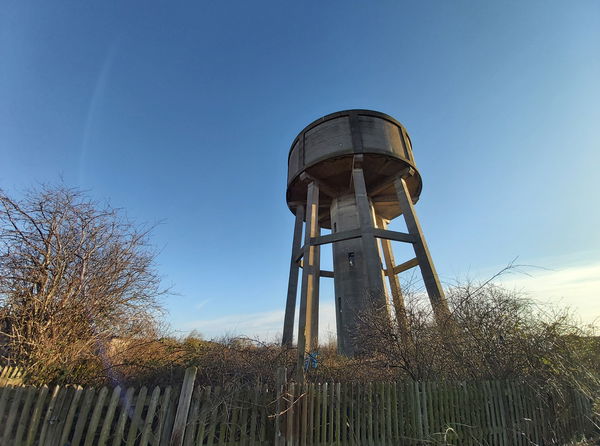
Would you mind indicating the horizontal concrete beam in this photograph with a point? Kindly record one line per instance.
(322, 272)
(403, 267)
(394, 235)
(335, 237)
(356, 233)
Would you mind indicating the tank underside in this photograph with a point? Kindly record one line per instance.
(336, 175)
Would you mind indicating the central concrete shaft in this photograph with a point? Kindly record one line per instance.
(354, 295)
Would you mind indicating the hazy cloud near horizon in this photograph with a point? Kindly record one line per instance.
(576, 287)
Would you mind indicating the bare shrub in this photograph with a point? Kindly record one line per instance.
(73, 276)
(495, 333)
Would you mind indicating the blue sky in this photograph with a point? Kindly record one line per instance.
(183, 112)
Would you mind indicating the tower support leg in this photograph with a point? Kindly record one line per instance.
(397, 298)
(290, 306)
(372, 261)
(430, 277)
(308, 329)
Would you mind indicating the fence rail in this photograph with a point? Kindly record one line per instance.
(402, 413)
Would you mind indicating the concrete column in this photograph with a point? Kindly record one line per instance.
(372, 261)
(290, 306)
(430, 277)
(309, 295)
(314, 320)
(390, 262)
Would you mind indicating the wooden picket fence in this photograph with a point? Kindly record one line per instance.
(403, 413)
(185, 416)
(429, 413)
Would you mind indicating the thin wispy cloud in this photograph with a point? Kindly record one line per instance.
(200, 305)
(100, 88)
(577, 287)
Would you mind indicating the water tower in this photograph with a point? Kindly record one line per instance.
(352, 172)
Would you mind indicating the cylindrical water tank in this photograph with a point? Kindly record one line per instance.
(325, 150)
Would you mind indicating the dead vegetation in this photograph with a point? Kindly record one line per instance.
(73, 275)
(79, 304)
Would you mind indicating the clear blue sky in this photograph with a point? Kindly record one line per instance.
(183, 112)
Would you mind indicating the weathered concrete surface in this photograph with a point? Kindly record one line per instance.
(290, 306)
(308, 336)
(354, 293)
(325, 150)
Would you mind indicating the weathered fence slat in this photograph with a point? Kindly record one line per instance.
(279, 395)
(224, 415)
(162, 414)
(515, 415)
(108, 417)
(266, 399)
(122, 420)
(290, 415)
(183, 407)
(49, 412)
(12, 414)
(303, 417)
(204, 398)
(243, 422)
(136, 418)
(4, 394)
(234, 426)
(23, 419)
(91, 430)
(169, 419)
(502, 413)
(35, 416)
(254, 416)
(70, 417)
(86, 405)
(192, 422)
(147, 426)
(57, 420)
(213, 418)
(454, 428)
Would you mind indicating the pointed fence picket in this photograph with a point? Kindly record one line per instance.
(386, 413)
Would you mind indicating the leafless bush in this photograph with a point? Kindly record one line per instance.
(495, 333)
(73, 276)
(79, 303)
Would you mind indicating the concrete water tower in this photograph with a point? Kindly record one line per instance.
(352, 172)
